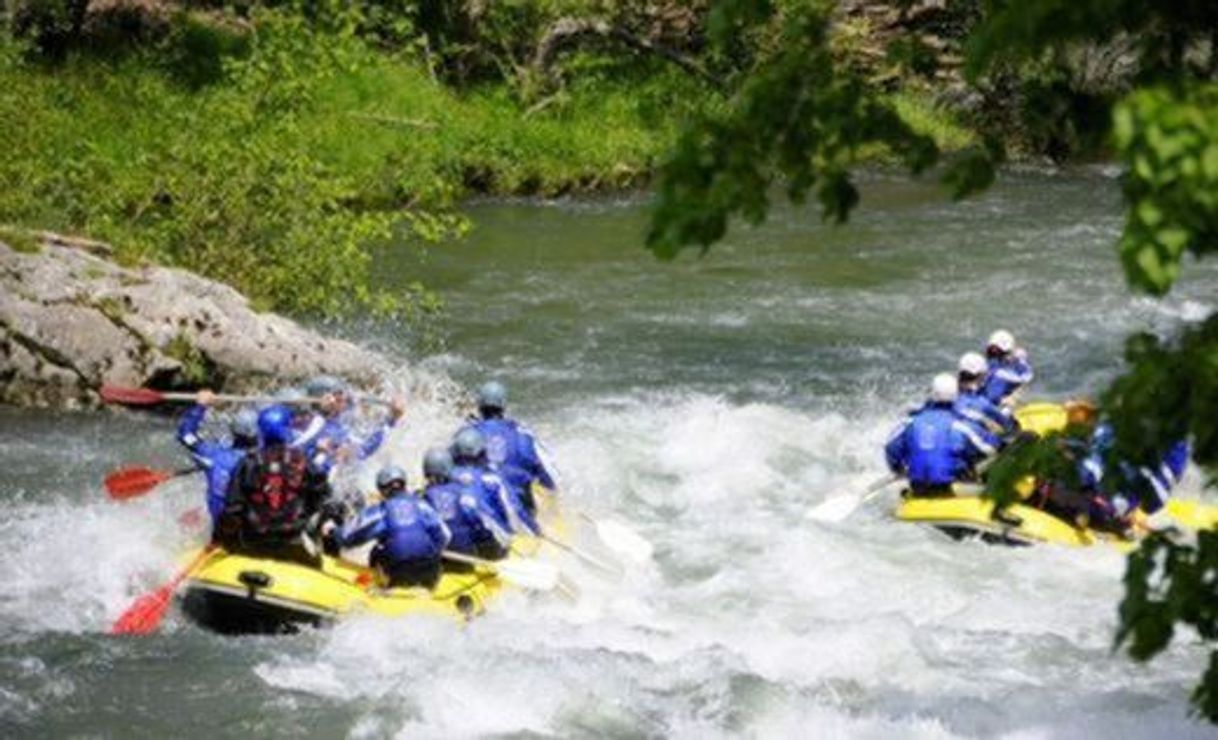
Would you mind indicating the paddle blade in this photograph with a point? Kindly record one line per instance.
(131, 482)
(130, 396)
(533, 576)
(834, 509)
(624, 541)
(145, 614)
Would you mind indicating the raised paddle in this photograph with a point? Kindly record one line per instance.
(150, 397)
(146, 613)
(838, 508)
(135, 481)
(526, 574)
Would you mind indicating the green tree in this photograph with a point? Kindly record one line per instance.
(798, 119)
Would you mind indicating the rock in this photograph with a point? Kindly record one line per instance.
(71, 321)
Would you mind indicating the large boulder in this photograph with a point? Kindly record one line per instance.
(72, 320)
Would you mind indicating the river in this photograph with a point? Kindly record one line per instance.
(709, 403)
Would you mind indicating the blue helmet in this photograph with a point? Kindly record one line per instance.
(468, 446)
(275, 425)
(391, 479)
(492, 395)
(244, 426)
(437, 463)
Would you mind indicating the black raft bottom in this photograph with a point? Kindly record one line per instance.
(230, 614)
(989, 538)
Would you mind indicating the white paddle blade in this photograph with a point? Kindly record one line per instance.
(834, 509)
(529, 575)
(624, 541)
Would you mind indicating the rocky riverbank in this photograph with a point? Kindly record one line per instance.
(72, 320)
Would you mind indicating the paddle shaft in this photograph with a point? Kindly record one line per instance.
(460, 557)
(234, 398)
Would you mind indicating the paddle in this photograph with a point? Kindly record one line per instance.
(595, 562)
(623, 540)
(531, 575)
(137, 480)
(150, 397)
(145, 613)
(838, 508)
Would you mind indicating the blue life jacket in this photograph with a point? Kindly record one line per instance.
(934, 447)
(406, 529)
(335, 433)
(512, 452)
(472, 525)
(217, 460)
(1147, 486)
(497, 497)
(1006, 375)
(983, 413)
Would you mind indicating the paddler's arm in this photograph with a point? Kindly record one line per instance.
(370, 444)
(368, 526)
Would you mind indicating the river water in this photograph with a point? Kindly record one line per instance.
(709, 403)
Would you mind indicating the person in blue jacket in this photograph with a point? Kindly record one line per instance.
(511, 449)
(933, 447)
(329, 428)
(1113, 499)
(470, 468)
(1009, 369)
(473, 527)
(217, 459)
(972, 406)
(410, 536)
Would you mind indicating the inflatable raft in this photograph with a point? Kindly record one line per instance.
(968, 515)
(232, 593)
(236, 594)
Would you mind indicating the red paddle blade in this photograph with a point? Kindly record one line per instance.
(131, 482)
(130, 396)
(146, 614)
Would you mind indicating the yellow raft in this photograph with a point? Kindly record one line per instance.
(972, 516)
(969, 515)
(235, 594)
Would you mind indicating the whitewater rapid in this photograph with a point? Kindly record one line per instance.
(708, 405)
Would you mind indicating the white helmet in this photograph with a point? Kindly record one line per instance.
(972, 363)
(944, 389)
(1002, 340)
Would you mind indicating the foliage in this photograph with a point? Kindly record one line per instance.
(1168, 583)
(1169, 138)
(279, 174)
(797, 117)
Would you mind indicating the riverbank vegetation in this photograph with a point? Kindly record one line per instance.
(273, 144)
